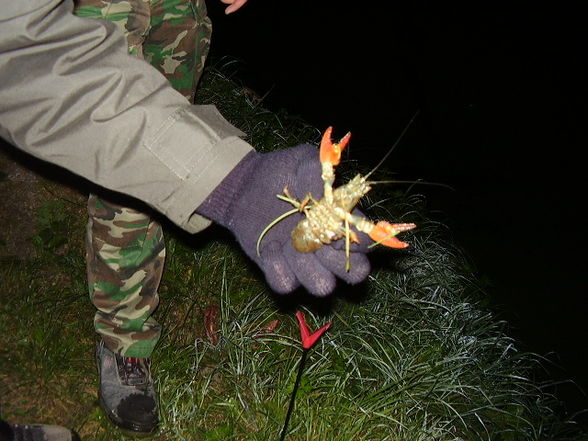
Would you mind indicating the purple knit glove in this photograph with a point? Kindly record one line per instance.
(245, 202)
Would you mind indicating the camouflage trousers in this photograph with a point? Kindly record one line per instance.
(125, 246)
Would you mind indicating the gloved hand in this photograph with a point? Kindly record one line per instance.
(245, 202)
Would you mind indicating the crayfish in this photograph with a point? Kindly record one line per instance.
(331, 217)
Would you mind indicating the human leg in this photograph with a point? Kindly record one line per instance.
(126, 248)
(125, 255)
(174, 36)
(125, 260)
(178, 42)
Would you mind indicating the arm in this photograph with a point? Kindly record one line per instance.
(70, 94)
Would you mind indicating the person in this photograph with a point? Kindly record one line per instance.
(77, 93)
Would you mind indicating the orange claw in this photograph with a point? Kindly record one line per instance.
(329, 151)
(384, 232)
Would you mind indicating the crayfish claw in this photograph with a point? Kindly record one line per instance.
(384, 233)
(330, 151)
(402, 227)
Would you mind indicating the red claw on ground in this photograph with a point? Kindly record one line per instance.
(308, 339)
(268, 329)
(329, 151)
(384, 233)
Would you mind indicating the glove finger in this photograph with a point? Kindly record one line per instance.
(335, 261)
(308, 177)
(278, 273)
(317, 279)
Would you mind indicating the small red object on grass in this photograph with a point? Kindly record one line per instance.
(308, 339)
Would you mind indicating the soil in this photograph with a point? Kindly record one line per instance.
(19, 200)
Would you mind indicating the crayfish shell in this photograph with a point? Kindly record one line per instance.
(303, 238)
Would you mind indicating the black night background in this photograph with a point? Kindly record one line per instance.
(501, 90)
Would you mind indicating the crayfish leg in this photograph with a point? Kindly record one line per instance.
(304, 202)
(350, 236)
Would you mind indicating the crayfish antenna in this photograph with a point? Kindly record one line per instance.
(389, 152)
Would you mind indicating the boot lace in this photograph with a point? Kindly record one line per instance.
(134, 371)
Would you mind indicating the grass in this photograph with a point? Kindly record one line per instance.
(413, 354)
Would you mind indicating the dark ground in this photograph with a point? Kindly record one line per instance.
(502, 95)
